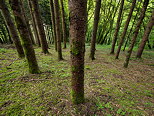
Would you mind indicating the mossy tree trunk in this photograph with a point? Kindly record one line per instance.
(145, 36)
(117, 27)
(125, 28)
(8, 33)
(95, 26)
(63, 24)
(37, 38)
(39, 24)
(57, 22)
(23, 30)
(130, 49)
(12, 29)
(27, 22)
(53, 23)
(78, 19)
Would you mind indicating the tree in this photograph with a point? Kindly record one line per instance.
(78, 19)
(117, 27)
(23, 30)
(145, 36)
(95, 26)
(63, 23)
(57, 22)
(39, 24)
(130, 49)
(125, 28)
(27, 22)
(12, 29)
(37, 38)
(53, 23)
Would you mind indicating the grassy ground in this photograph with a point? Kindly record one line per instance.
(110, 89)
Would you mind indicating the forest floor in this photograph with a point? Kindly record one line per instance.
(110, 89)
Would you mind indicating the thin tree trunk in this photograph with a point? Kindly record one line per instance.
(63, 24)
(37, 38)
(53, 23)
(27, 22)
(142, 14)
(128, 36)
(23, 30)
(39, 25)
(117, 27)
(125, 28)
(57, 22)
(5, 36)
(95, 27)
(12, 29)
(9, 36)
(145, 36)
(78, 19)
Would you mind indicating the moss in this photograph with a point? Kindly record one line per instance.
(77, 98)
(75, 51)
(74, 68)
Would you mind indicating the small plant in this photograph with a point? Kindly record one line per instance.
(121, 112)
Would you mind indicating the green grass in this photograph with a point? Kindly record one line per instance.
(109, 89)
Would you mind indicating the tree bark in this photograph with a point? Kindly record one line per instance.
(12, 29)
(53, 23)
(57, 22)
(39, 24)
(9, 36)
(142, 15)
(37, 38)
(125, 28)
(95, 27)
(27, 22)
(117, 27)
(63, 24)
(23, 30)
(145, 36)
(78, 19)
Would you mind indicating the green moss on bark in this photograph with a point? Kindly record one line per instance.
(75, 51)
(77, 98)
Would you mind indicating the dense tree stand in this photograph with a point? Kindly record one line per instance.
(125, 29)
(23, 30)
(78, 19)
(39, 24)
(142, 15)
(12, 29)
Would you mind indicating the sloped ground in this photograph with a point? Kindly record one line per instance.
(110, 89)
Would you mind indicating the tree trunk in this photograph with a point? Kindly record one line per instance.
(53, 23)
(39, 24)
(23, 30)
(78, 19)
(95, 27)
(63, 24)
(142, 14)
(37, 38)
(57, 22)
(125, 28)
(117, 27)
(27, 22)
(145, 36)
(12, 29)
(9, 36)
